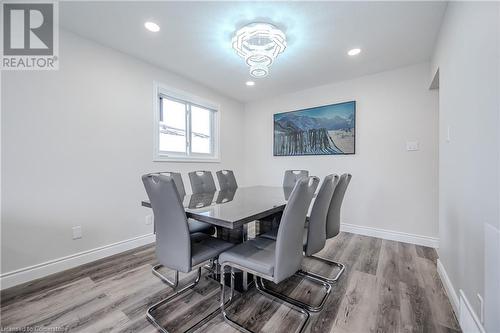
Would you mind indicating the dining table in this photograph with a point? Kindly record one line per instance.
(234, 208)
(231, 211)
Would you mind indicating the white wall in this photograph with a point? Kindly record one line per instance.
(74, 145)
(467, 58)
(391, 188)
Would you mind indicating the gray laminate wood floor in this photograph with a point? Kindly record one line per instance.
(387, 287)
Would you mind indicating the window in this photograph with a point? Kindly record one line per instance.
(186, 127)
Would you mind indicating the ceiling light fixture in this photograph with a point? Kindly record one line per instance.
(151, 26)
(259, 44)
(354, 52)
(250, 83)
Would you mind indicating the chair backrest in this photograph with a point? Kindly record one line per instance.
(333, 217)
(202, 181)
(173, 242)
(226, 179)
(177, 177)
(316, 233)
(289, 243)
(292, 176)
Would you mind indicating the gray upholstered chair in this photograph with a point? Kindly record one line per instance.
(202, 181)
(332, 229)
(177, 178)
(194, 226)
(226, 179)
(291, 177)
(269, 259)
(333, 223)
(315, 233)
(314, 237)
(176, 247)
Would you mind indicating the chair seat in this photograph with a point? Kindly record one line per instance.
(204, 247)
(197, 226)
(257, 255)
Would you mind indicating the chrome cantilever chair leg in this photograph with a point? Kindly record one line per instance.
(309, 307)
(235, 324)
(211, 266)
(326, 278)
(293, 306)
(174, 284)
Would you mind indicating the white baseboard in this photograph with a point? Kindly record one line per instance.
(469, 321)
(30, 273)
(391, 235)
(467, 317)
(491, 277)
(448, 287)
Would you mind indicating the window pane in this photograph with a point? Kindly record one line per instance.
(201, 130)
(173, 126)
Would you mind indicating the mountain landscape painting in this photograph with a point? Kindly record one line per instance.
(322, 130)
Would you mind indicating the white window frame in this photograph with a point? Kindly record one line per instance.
(159, 156)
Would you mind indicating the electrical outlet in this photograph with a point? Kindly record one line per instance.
(412, 145)
(149, 219)
(77, 232)
(448, 134)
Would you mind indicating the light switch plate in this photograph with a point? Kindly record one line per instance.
(412, 146)
(77, 232)
(149, 219)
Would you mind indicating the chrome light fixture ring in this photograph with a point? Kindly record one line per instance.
(259, 71)
(258, 59)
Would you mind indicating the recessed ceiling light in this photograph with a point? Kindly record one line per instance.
(250, 83)
(151, 26)
(354, 52)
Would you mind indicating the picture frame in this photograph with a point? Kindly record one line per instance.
(321, 130)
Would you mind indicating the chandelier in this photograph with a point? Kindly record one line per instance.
(259, 44)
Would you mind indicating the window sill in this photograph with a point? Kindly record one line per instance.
(183, 159)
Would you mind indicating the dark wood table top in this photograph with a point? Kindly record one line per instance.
(232, 209)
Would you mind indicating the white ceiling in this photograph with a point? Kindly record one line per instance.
(194, 40)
